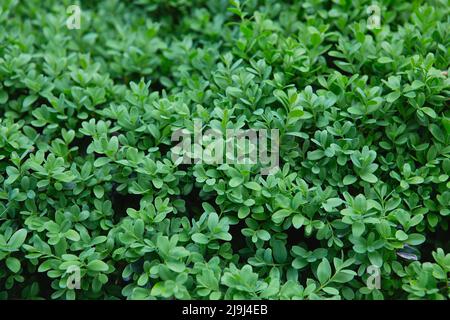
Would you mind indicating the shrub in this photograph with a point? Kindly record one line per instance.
(89, 190)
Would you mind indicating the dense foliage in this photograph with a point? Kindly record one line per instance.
(87, 180)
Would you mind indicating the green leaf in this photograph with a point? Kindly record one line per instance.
(243, 212)
(17, 239)
(344, 276)
(279, 216)
(13, 264)
(263, 235)
(253, 186)
(437, 133)
(279, 251)
(324, 271)
(393, 96)
(299, 263)
(376, 259)
(358, 228)
(200, 238)
(349, 179)
(236, 181)
(332, 203)
(29, 100)
(430, 112)
(296, 113)
(97, 265)
(3, 96)
(369, 177)
(315, 155)
(73, 235)
(330, 290)
(415, 239)
(13, 174)
(298, 221)
(99, 191)
(401, 235)
(415, 180)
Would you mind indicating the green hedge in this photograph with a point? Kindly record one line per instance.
(89, 191)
